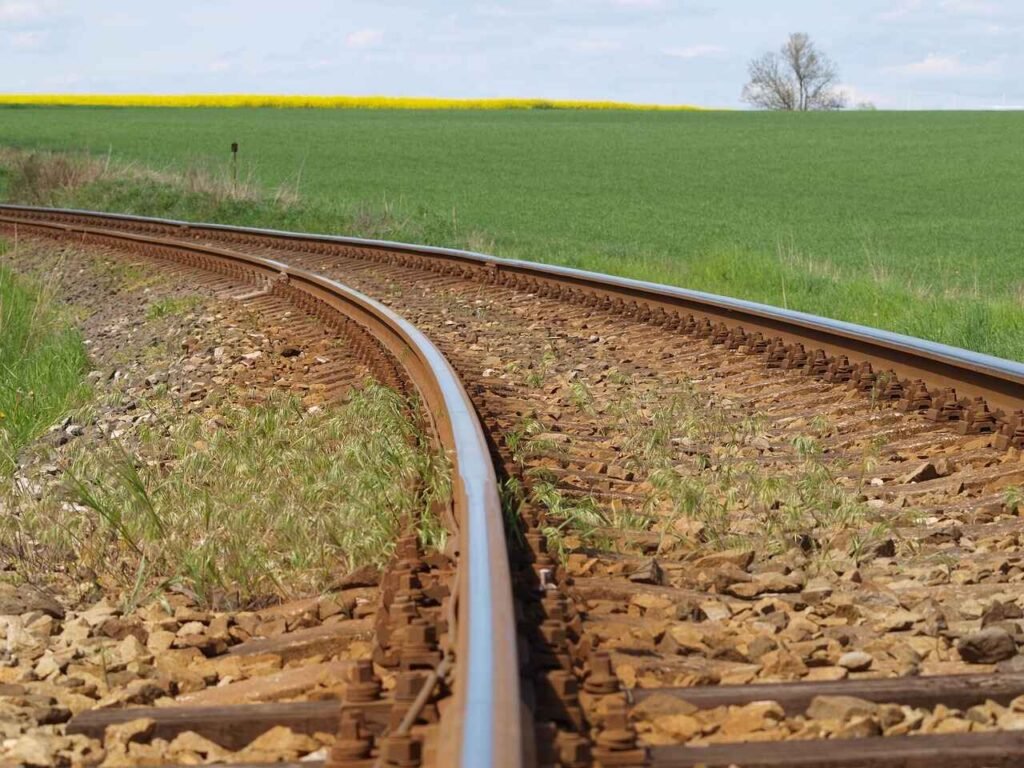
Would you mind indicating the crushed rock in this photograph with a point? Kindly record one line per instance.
(70, 647)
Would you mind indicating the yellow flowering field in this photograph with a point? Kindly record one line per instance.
(316, 102)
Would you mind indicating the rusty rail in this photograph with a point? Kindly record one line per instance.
(483, 726)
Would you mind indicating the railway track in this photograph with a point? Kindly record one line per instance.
(423, 601)
(661, 619)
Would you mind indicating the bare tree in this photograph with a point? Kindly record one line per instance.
(797, 78)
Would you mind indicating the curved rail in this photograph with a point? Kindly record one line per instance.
(999, 382)
(484, 727)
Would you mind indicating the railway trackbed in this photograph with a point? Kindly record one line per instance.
(732, 532)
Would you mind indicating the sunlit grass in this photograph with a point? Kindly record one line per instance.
(171, 306)
(894, 220)
(42, 362)
(270, 500)
(705, 480)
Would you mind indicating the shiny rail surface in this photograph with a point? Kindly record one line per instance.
(484, 724)
(999, 382)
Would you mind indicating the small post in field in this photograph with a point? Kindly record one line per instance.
(234, 162)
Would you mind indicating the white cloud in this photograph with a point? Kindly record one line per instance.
(933, 64)
(901, 9)
(364, 38)
(319, 64)
(65, 81)
(503, 12)
(27, 41)
(694, 51)
(974, 7)
(950, 66)
(21, 11)
(122, 21)
(856, 96)
(594, 46)
(639, 3)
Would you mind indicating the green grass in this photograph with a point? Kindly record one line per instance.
(261, 501)
(715, 492)
(907, 221)
(42, 363)
(171, 306)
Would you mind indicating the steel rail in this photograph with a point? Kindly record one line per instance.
(483, 727)
(1000, 382)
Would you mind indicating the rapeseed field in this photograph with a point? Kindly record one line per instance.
(315, 102)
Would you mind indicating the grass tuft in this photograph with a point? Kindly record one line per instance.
(1014, 497)
(270, 500)
(171, 306)
(706, 481)
(705, 470)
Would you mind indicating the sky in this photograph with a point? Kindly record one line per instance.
(897, 54)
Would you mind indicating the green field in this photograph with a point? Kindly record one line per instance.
(908, 221)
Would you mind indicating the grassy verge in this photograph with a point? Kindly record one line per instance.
(195, 194)
(901, 221)
(945, 300)
(271, 500)
(244, 497)
(963, 317)
(42, 363)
